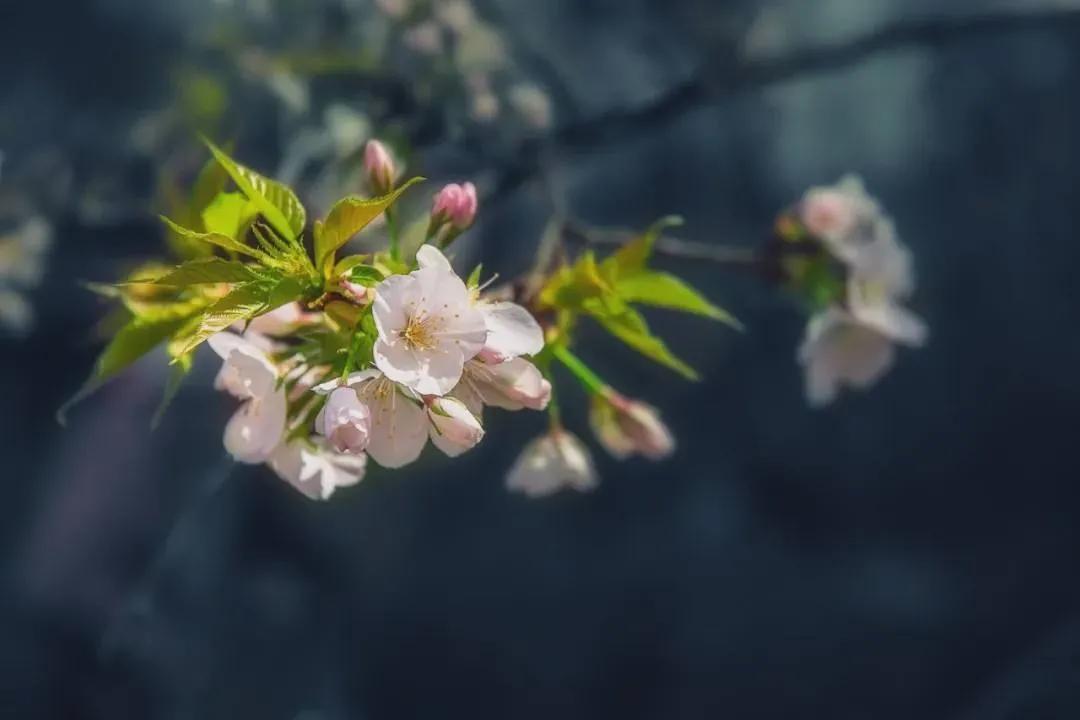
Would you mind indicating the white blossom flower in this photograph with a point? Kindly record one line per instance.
(840, 349)
(627, 427)
(345, 422)
(512, 385)
(248, 374)
(454, 429)
(281, 321)
(550, 463)
(512, 331)
(315, 470)
(399, 425)
(533, 105)
(428, 327)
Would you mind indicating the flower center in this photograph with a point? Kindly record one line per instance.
(420, 332)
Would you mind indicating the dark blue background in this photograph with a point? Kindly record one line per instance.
(908, 553)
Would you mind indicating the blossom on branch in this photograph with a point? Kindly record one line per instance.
(248, 374)
(550, 463)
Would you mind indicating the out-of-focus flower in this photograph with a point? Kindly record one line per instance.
(455, 204)
(425, 38)
(840, 350)
(512, 385)
(457, 15)
(379, 166)
(428, 327)
(399, 426)
(345, 422)
(533, 105)
(396, 9)
(454, 429)
(22, 265)
(255, 431)
(627, 427)
(551, 463)
(852, 341)
(483, 103)
(315, 470)
(282, 321)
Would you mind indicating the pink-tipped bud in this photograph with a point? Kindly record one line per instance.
(627, 427)
(457, 205)
(379, 166)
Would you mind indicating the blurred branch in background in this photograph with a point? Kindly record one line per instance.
(758, 72)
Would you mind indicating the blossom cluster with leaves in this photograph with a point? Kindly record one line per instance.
(338, 359)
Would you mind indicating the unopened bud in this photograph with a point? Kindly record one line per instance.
(379, 166)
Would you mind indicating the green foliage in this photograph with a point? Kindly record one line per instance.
(474, 276)
(224, 242)
(206, 271)
(348, 217)
(228, 214)
(606, 291)
(243, 303)
(274, 201)
(366, 275)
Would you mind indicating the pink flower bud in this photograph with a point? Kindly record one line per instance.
(379, 166)
(627, 427)
(456, 204)
(345, 422)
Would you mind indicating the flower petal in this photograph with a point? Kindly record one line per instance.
(511, 330)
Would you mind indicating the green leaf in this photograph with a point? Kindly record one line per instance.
(138, 337)
(177, 373)
(245, 302)
(276, 202)
(348, 217)
(474, 276)
(222, 241)
(634, 256)
(366, 275)
(346, 264)
(228, 214)
(664, 290)
(205, 271)
(630, 327)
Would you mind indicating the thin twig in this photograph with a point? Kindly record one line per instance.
(665, 245)
(757, 73)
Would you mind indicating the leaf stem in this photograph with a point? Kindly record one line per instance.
(592, 382)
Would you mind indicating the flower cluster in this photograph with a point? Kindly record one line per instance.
(841, 252)
(342, 361)
(22, 264)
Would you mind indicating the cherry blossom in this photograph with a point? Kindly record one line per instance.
(379, 166)
(315, 470)
(248, 374)
(453, 429)
(512, 385)
(428, 327)
(455, 204)
(551, 463)
(345, 422)
(399, 425)
(628, 427)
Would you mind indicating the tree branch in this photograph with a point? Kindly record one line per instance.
(754, 74)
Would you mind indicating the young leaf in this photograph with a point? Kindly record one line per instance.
(245, 302)
(205, 271)
(348, 217)
(276, 202)
(474, 276)
(667, 291)
(366, 275)
(137, 338)
(222, 241)
(630, 327)
(634, 256)
(346, 264)
(177, 373)
(228, 214)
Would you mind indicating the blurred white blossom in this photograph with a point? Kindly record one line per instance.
(22, 266)
(248, 374)
(628, 427)
(315, 470)
(550, 463)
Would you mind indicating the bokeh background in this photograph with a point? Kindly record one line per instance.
(909, 552)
